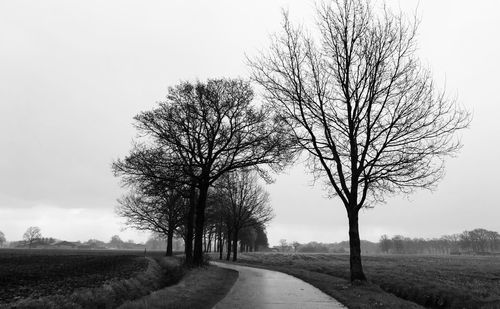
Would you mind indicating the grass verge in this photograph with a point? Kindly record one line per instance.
(359, 296)
(430, 281)
(200, 288)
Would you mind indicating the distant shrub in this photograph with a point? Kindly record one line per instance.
(313, 247)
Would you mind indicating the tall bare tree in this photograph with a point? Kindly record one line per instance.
(359, 103)
(32, 233)
(208, 129)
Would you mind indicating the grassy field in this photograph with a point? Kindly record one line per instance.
(34, 278)
(431, 281)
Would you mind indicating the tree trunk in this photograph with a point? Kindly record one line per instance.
(221, 244)
(235, 245)
(228, 255)
(204, 242)
(199, 226)
(355, 248)
(188, 248)
(170, 237)
(209, 243)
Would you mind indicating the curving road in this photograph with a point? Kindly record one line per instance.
(261, 288)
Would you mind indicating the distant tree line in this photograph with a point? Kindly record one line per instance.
(33, 238)
(3, 240)
(315, 247)
(367, 247)
(477, 241)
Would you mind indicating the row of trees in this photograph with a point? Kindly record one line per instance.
(367, 247)
(237, 211)
(480, 240)
(239, 208)
(352, 96)
(194, 170)
(476, 241)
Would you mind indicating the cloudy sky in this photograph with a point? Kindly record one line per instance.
(74, 73)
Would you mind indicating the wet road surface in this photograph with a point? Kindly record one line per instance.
(261, 288)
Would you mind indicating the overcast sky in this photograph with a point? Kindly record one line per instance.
(74, 73)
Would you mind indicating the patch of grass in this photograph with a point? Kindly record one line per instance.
(200, 288)
(359, 296)
(431, 281)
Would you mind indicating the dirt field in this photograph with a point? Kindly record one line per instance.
(431, 281)
(31, 279)
(38, 273)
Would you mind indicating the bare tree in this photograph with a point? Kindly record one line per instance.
(2, 239)
(152, 171)
(385, 243)
(32, 233)
(494, 240)
(162, 214)
(248, 237)
(283, 245)
(480, 240)
(218, 215)
(116, 242)
(247, 203)
(209, 129)
(453, 241)
(156, 203)
(359, 103)
(261, 243)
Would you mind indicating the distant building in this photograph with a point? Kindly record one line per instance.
(64, 245)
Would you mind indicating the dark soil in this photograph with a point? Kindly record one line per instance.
(29, 275)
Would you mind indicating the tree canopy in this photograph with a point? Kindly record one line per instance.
(201, 132)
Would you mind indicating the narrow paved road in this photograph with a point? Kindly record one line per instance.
(261, 288)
